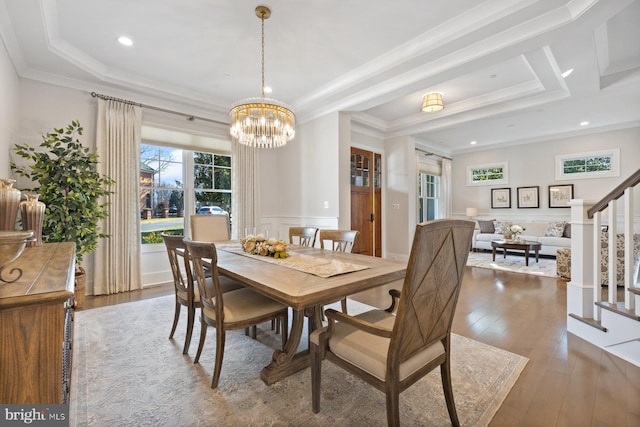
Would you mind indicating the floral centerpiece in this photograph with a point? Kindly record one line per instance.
(515, 231)
(259, 245)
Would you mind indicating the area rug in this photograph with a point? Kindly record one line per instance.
(127, 372)
(514, 263)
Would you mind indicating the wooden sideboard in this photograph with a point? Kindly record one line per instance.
(36, 327)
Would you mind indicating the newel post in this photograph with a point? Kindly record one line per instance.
(580, 288)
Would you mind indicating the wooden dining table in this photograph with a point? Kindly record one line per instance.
(305, 293)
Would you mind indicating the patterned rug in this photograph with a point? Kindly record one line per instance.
(126, 372)
(514, 263)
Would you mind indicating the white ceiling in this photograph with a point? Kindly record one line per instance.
(497, 62)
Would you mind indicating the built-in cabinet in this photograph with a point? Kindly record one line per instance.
(36, 328)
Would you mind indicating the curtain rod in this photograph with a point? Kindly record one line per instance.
(427, 153)
(189, 117)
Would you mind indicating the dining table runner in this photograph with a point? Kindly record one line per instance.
(321, 267)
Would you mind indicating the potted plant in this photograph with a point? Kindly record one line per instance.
(66, 178)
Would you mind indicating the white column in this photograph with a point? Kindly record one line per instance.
(613, 252)
(580, 288)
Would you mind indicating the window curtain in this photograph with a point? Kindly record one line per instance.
(445, 188)
(245, 203)
(117, 259)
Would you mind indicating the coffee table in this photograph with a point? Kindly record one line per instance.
(519, 245)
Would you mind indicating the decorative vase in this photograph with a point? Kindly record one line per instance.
(32, 212)
(9, 204)
(507, 235)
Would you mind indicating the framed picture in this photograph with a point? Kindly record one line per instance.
(560, 195)
(528, 197)
(500, 198)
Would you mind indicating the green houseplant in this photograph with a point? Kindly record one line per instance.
(66, 178)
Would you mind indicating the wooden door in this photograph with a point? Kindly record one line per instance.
(366, 204)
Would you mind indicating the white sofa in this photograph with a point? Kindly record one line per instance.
(534, 231)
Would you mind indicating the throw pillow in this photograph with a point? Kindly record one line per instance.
(486, 226)
(567, 230)
(501, 226)
(555, 229)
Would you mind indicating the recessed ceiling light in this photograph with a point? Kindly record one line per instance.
(585, 123)
(126, 41)
(566, 73)
(267, 89)
(473, 142)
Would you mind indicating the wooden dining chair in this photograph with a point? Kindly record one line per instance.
(392, 352)
(237, 309)
(210, 228)
(339, 241)
(186, 291)
(303, 236)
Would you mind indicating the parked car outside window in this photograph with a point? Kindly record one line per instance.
(212, 210)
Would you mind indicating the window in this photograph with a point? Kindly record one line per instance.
(161, 192)
(165, 174)
(588, 165)
(492, 174)
(428, 196)
(212, 181)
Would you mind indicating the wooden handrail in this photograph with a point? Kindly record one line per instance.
(617, 192)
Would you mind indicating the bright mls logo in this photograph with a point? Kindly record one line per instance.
(43, 415)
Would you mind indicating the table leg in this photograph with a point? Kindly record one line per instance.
(504, 253)
(287, 362)
(494, 253)
(526, 257)
(537, 255)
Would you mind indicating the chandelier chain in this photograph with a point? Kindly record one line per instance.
(262, 19)
(262, 122)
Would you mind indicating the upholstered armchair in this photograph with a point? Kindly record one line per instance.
(392, 350)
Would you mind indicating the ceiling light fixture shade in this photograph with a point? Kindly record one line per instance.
(432, 102)
(262, 122)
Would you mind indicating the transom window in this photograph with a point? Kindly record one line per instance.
(490, 174)
(588, 165)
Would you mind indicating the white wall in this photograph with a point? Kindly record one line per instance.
(301, 178)
(533, 165)
(401, 196)
(9, 103)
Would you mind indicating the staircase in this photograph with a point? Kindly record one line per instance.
(603, 320)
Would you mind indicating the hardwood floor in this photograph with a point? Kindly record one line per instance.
(567, 381)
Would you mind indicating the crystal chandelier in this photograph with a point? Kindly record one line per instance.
(262, 122)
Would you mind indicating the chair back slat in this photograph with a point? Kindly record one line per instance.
(210, 292)
(432, 284)
(210, 228)
(341, 240)
(303, 236)
(177, 252)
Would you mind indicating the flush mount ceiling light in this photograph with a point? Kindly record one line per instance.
(262, 122)
(432, 102)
